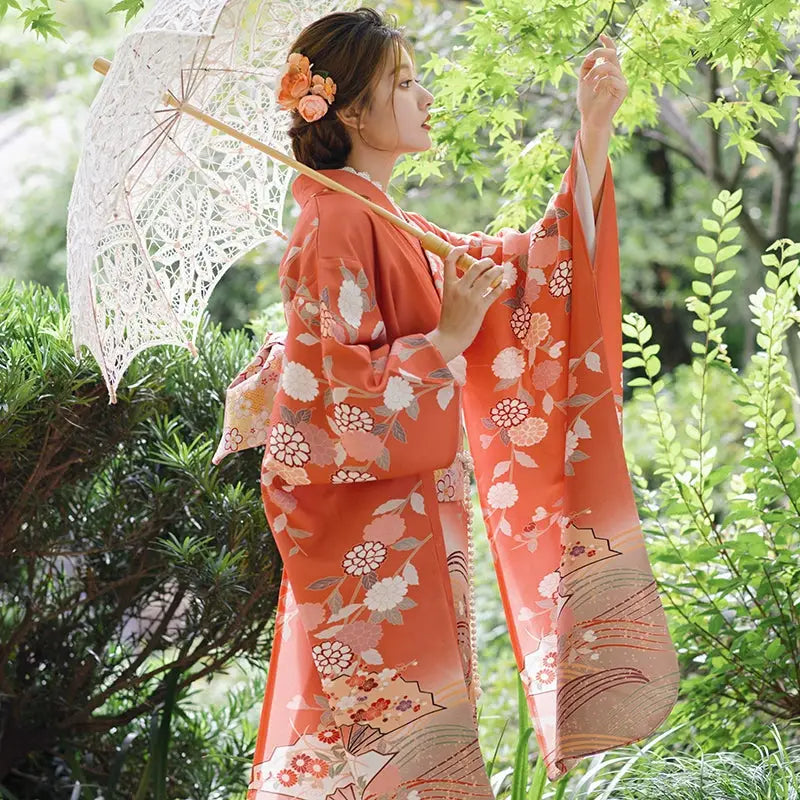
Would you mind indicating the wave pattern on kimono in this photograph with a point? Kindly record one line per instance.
(371, 692)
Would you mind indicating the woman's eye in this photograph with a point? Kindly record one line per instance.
(409, 81)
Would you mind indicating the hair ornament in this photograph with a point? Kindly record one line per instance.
(300, 90)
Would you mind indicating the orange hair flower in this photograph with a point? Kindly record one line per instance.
(299, 90)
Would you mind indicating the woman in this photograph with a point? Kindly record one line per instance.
(372, 684)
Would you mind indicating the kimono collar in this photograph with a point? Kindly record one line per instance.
(304, 188)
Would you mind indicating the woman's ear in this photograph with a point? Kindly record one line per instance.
(348, 117)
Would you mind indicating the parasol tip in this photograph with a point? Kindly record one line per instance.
(192, 348)
(102, 65)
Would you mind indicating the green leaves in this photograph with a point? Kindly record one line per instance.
(5, 5)
(130, 7)
(119, 533)
(723, 535)
(40, 18)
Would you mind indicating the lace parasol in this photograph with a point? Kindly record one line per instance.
(162, 203)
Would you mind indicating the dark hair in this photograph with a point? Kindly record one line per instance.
(352, 47)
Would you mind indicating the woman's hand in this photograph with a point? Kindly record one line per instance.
(601, 85)
(465, 301)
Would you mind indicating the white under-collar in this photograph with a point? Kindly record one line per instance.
(366, 175)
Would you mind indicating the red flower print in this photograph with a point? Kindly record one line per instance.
(286, 777)
(545, 675)
(545, 374)
(364, 558)
(301, 762)
(360, 636)
(332, 657)
(329, 736)
(288, 445)
(520, 321)
(351, 476)
(318, 768)
(352, 418)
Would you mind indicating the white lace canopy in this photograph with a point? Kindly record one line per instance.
(163, 204)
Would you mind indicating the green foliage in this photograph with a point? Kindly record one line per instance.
(518, 63)
(130, 566)
(41, 19)
(130, 7)
(640, 773)
(725, 535)
(649, 772)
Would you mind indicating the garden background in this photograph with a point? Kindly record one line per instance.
(138, 582)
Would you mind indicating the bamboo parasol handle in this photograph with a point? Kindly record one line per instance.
(430, 241)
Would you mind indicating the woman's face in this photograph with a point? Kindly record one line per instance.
(401, 131)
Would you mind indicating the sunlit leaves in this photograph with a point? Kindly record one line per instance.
(725, 535)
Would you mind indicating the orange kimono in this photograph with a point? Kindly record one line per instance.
(371, 689)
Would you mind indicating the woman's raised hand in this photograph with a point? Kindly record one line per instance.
(465, 301)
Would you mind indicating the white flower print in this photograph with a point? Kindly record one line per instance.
(520, 321)
(509, 363)
(502, 495)
(386, 593)
(548, 585)
(540, 666)
(351, 303)
(298, 381)
(398, 393)
(288, 445)
(561, 280)
(510, 411)
(364, 558)
(352, 418)
(332, 656)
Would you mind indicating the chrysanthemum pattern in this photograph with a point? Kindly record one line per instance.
(288, 445)
(509, 412)
(352, 418)
(332, 657)
(364, 558)
(386, 594)
(351, 476)
(561, 281)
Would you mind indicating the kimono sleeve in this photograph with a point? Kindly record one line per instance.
(542, 409)
(354, 405)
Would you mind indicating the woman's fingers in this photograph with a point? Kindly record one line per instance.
(478, 271)
(485, 278)
(606, 68)
(450, 260)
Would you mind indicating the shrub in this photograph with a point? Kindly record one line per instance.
(724, 537)
(130, 567)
